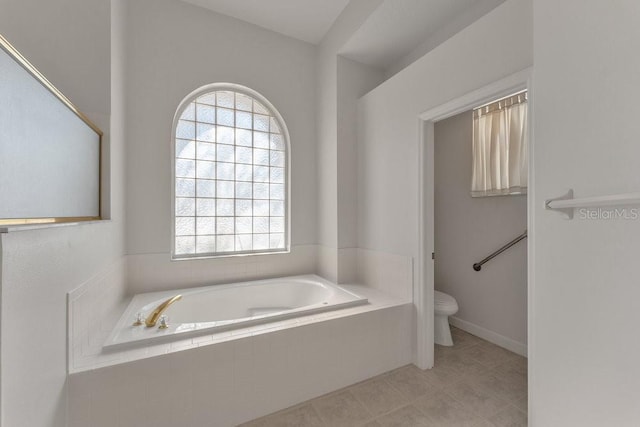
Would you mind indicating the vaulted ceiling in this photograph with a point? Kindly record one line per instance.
(306, 20)
(398, 27)
(395, 30)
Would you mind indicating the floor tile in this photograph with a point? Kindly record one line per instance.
(341, 409)
(509, 417)
(442, 410)
(452, 365)
(489, 355)
(511, 389)
(441, 352)
(463, 339)
(515, 368)
(410, 381)
(459, 362)
(304, 415)
(478, 400)
(523, 404)
(442, 375)
(407, 416)
(378, 396)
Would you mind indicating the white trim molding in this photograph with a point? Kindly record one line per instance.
(488, 335)
(506, 86)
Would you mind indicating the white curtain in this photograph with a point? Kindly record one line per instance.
(500, 161)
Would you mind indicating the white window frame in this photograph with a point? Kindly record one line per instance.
(213, 87)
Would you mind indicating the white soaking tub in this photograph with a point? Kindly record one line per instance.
(218, 308)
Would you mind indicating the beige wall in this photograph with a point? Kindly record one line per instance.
(467, 230)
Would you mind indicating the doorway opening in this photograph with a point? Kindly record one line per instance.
(480, 218)
(426, 277)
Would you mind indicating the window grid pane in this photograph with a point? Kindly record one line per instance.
(230, 170)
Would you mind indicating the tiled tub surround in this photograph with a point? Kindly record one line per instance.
(387, 272)
(90, 320)
(474, 384)
(227, 378)
(216, 308)
(93, 308)
(156, 272)
(232, 377)
(86, 351)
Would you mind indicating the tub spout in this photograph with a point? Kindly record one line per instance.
(152, 319)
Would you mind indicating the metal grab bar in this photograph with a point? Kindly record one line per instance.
(478, 265)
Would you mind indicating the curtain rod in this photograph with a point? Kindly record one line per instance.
(504, 102)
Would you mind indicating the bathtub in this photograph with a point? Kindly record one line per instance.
(212, 309)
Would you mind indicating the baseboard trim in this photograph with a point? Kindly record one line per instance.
(492, 337)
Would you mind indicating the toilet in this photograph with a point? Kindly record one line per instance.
(444, 306)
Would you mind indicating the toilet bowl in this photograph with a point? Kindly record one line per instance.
(444, 306)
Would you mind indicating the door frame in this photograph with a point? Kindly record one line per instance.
(423, 291)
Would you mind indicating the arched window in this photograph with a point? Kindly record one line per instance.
(231, 170)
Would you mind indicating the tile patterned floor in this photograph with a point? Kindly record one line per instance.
(473, 384)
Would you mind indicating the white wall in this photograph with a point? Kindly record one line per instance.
(354, 80)
(585, 369)
(465, 18)
(71, 49)
(327, 155)
(338, 88)
(467, 229)
(175, 48)
(39, 267)
(388, 135)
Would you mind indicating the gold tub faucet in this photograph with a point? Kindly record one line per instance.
(152, 319)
